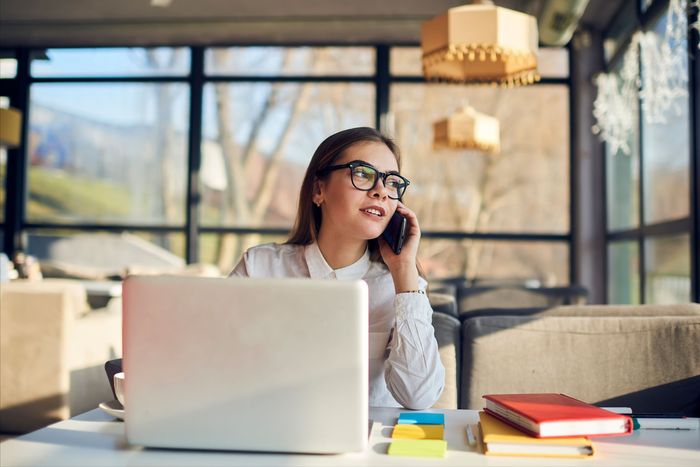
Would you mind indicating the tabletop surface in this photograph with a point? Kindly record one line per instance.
(95, 438)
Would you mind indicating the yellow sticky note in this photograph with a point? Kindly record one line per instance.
(418, 448)
(418, 431)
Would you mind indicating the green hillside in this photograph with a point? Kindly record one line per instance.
(58, 195)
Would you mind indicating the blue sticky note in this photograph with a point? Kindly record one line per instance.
(421, 418)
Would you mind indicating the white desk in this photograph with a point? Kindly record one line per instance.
(94, 438)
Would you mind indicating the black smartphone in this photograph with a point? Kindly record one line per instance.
(395, 232)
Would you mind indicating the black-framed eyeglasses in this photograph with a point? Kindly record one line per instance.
(364, 177)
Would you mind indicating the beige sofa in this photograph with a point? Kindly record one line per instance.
(52, 352)
(644, 356)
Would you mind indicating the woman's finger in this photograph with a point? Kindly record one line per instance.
(409, 215)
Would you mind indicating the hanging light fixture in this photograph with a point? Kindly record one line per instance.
(468, 129)
(480, 43)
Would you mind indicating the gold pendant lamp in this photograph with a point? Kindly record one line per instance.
(480, 43)
(468, 129)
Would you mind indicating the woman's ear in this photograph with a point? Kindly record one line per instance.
(317, 196)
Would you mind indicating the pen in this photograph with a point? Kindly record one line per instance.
(648, 421)
(656, 415)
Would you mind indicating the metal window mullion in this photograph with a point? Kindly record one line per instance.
(606, 224)
(381, 105)
(108, 79)
(694, 154)
(103, 227)
(449, 235)
(196, 83)
(16, 169)
(573, 272)
(289, 79)
(642, 221)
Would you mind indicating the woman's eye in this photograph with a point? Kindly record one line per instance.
(394, 183)
(362, 174)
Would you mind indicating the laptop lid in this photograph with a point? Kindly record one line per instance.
(246, 364)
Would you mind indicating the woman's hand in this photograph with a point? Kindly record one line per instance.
(403, 266)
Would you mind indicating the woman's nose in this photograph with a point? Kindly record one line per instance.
(379, 190)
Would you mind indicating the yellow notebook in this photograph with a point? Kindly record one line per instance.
(500, 439)
(418, 431)
(418, 448)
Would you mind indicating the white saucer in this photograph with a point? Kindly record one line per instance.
(114, 408)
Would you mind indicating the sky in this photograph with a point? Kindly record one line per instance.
(128, 104)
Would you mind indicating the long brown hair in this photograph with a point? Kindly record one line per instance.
(308, 220)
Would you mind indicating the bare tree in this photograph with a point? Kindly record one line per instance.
(468, 190)
(238, 207)
(167, 203)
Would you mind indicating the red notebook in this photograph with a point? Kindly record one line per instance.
(555, 415)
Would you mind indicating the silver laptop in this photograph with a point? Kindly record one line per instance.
(246, 364)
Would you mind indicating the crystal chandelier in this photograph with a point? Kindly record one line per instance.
(665, 61)
(661, 87)
(617, 95)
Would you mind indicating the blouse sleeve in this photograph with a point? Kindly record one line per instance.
(241, 269)
(414, 373)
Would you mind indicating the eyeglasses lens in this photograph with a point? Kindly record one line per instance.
(364, 178)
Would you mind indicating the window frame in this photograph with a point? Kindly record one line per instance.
(15, 225)
(690, 224)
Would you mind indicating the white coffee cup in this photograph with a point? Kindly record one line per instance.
(119, 387)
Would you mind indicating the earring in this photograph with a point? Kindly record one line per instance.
(318, 204)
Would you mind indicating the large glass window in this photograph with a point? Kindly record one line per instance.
(8, 67)
(290, 61)
(223, 250)
(109, 131)
(111, 62)
(666, 139)
(660, 149)
(105, 255)
(524, 188)
(667, 269)
(623, 272)
(258, 140)
(545, 262)
(622, 189)
(622, 177)
(107, 152)
(258, 136)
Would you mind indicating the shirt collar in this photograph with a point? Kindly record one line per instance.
(319, 268)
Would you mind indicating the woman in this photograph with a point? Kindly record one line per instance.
(350, 191)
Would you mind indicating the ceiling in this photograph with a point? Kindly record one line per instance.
(145, 22)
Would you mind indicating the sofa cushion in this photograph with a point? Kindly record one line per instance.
(443, 303)
(51, 352)
(447, 335)
(32, 295)
(474, 298)
(682, 309)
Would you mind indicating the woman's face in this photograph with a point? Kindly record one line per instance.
(347, 211)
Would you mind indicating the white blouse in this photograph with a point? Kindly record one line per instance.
(404, 363)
